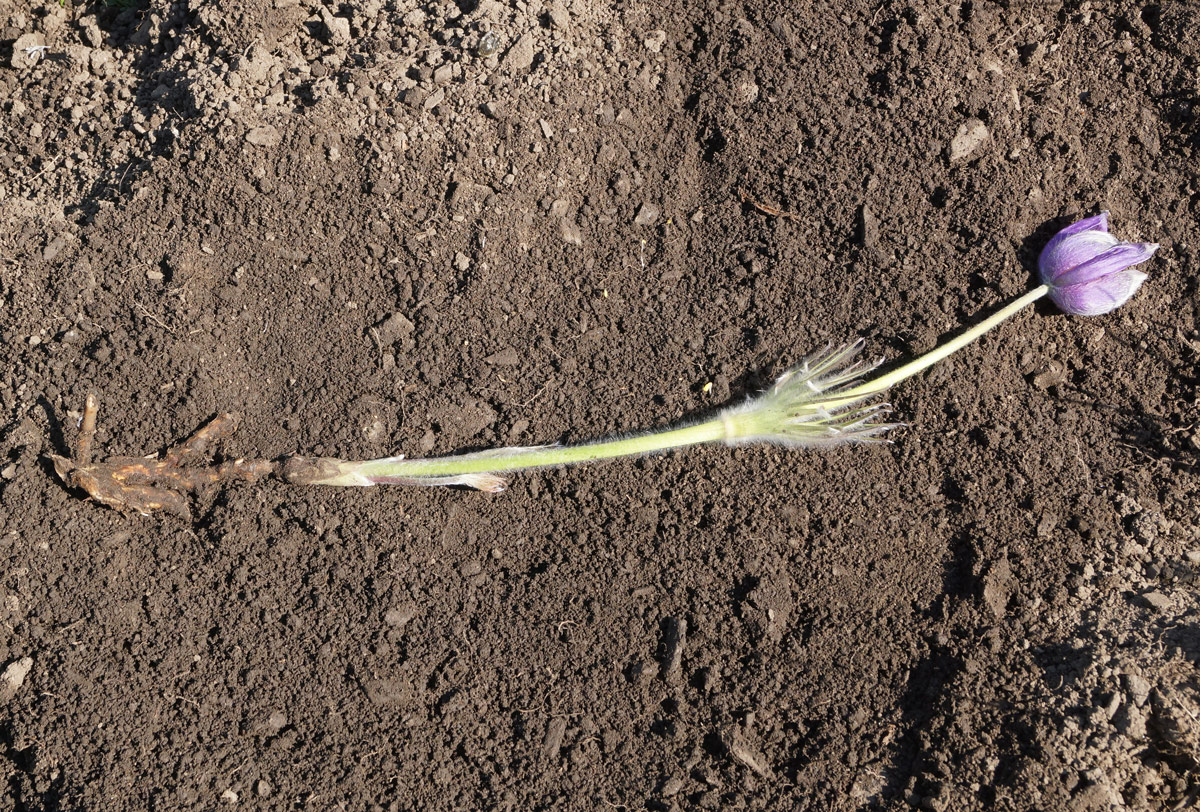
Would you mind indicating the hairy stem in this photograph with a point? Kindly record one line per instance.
(887, 380)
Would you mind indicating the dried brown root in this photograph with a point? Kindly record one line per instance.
(146, 484)
(766, 209)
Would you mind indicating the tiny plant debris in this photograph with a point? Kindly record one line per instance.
(830, 398)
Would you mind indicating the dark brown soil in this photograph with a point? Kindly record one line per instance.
(212, 207)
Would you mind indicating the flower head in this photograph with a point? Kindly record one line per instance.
(1088, 270)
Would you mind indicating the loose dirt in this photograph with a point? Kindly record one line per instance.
(390, 226)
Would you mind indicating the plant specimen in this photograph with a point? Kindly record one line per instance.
(832, 397)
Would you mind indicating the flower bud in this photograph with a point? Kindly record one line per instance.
(1089, 271)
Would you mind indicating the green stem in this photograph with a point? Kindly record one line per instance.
(516, 459)
(890, 379)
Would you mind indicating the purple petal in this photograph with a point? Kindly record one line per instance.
(1118, 258)
(1062, 256)
(1098, 222)
(1098, 296)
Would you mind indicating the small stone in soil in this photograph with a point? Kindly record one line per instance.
(569, 231)
(554, 737)
(394, 327)
(647, 215)
(1157, 600)
(27, 51)
(266, 136)
(674, 640)
(560, 18)
(504, 358)
(337, 29)
(399, 616)
(868, 228)
(970, 136)
(520, 56)
(14, 677)
(742, 751)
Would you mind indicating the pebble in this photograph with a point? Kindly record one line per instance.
(100, 63)
(434, 99)
(1111, 705)
(520, 56)
(1157, 600)
(26, 51)
(742, 751)
(745, 89)
(394, 327)
(504, 358)
(489, 43)
(390, 692)
(266, 136)
(399, 616)
(654, 40)
(277, 721)
(428, 441)
(1138, 687)
(560, 18)
(56, 246)
(14, 677)
(647, 215)
(337, 29)
(642, 672)
(568, 229)
(674, 640)
(971, 134)
(554, 737)
(414, 97)
(868, 228)
(1053, 375)
(780, 28)
(493, 109)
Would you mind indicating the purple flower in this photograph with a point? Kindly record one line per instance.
(1088, 270)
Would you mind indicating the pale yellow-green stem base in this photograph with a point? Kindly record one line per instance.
(516, 459)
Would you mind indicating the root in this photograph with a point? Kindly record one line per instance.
(146, 484)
